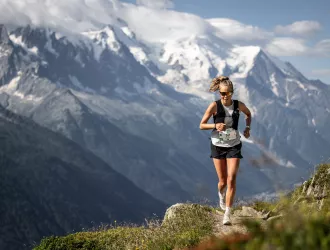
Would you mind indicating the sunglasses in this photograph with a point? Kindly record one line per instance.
(226, 93)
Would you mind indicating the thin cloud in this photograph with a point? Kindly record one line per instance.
(290, 45)
(300, 28)
(156, 4)
(287, 46)
(322, 48)
(63, 15)
(158, 25)
(321, 72)
(76, 16)
(234, 31)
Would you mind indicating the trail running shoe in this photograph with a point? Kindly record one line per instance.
(226, 219)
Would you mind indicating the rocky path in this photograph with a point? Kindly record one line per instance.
(237, 219)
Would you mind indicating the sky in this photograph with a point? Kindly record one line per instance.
(297, 31)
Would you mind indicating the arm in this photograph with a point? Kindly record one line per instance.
(208, 113)
(248, 118)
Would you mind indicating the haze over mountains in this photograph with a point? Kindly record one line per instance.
(132, 96)
(49, 185)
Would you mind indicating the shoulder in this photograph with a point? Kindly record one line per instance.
(241, 104)
(213, 104)
(242, 107)
(213, 107)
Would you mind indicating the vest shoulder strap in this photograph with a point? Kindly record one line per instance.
(235, 115)
(220, 108)
(235, 104)
(220, 115)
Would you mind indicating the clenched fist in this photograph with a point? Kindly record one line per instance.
(220, 126)
(247, 133)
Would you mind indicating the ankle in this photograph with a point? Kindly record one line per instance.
(221, 194)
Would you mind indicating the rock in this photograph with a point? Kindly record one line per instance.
(4, 38)
(248, 212)
(275, 217)
(320, 183)
(181, 209)
(173, 211)
(265, 216)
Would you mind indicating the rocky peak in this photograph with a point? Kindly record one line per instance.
(4, 38)
(35, 36)
(295, 73)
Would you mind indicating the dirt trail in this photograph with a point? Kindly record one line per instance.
(237, 219)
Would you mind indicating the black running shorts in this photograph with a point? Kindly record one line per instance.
(225, 152)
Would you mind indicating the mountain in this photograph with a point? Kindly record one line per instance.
(105, 90)
(290, 112)
(47, 91)
(119, 114)
(52, 186)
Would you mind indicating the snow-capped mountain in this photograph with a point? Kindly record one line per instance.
(289, 110)
(111, 91)
(148, 131)
(45, 86)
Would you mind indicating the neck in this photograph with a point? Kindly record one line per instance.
(227, 103)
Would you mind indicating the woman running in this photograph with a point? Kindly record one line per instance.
(225, 139)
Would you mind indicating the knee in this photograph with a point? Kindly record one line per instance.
(222, 183)
(231, 181)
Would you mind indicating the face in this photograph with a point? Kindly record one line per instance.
(225, 93)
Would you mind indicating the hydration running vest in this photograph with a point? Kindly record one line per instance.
(221, 114)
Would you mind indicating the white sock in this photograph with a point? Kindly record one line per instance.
(227, 210)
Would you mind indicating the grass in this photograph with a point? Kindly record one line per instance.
(191, 224)
(299, 228)
(305, 221)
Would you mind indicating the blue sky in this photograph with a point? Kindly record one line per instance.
(308, 51)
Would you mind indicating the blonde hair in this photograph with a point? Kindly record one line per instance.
(221, 81)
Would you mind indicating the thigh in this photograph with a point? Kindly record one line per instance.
(221, 168)
(232, 166)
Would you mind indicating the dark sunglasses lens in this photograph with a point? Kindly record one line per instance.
(225, 93)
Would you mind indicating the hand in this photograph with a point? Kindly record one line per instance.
(220, 126)
(246, 133)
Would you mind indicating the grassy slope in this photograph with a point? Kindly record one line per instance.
(305, 224)
(189, 227)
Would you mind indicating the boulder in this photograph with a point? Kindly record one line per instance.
(248, 212)
(180, 210)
